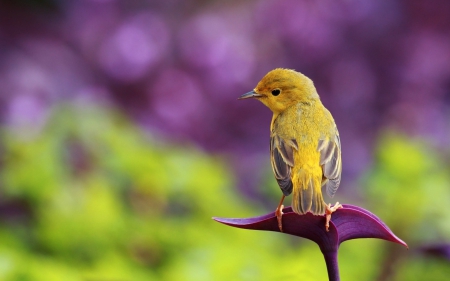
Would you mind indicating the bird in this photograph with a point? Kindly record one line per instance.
(305, 147)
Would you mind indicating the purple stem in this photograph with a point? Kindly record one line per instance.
(331, 259)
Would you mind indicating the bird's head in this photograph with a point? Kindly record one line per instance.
(281, 88)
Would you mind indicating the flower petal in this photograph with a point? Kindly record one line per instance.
(349, 222)
(307, 226)
(355, 222)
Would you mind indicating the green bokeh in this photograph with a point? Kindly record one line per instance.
(98, 199)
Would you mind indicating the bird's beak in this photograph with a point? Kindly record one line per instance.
(248, 95)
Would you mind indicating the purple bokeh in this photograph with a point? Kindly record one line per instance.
(177, 67)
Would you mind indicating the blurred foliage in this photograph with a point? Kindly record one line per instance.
(408, 187)
(92, 197)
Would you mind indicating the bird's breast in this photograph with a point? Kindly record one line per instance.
(305, 124)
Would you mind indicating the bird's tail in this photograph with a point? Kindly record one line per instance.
(307, 195)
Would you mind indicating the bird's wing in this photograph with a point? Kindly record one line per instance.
(282, 160)
(330, 160)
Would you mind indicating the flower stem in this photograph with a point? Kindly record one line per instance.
(331, 259)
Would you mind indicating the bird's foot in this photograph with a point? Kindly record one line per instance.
(279, 214)
(329, 210)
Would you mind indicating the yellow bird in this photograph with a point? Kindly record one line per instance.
(305, 149)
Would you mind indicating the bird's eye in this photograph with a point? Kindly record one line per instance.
(276, 92)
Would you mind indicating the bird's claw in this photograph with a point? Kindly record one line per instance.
(279, 214)
(329, 210)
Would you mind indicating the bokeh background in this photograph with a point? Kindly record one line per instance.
(121, 135)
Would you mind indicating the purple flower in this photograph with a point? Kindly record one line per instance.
(349, 222)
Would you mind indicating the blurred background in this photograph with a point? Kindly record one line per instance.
(121, 136)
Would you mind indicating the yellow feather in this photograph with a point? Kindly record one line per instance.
(301, 121)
